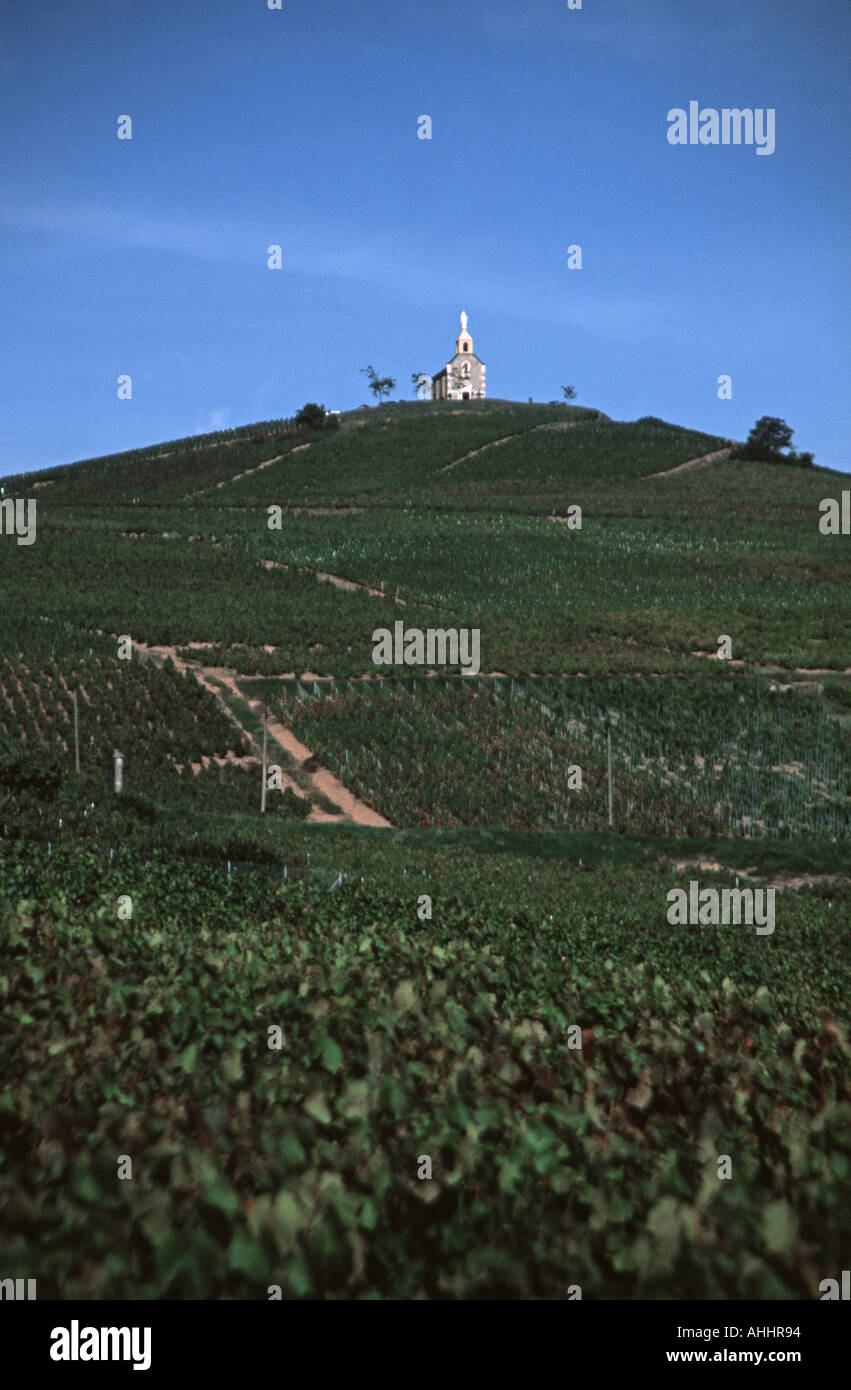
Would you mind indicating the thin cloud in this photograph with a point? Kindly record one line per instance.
(413, 276)
(640, 33)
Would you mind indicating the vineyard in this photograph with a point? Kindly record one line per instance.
(429, 979)
(174, 591)
(160, 721)
(735, 493)
(150, 713)
(534, 588)
(552, 1164)
(176, 470)
(728, 756)
(390, 460)
(158, 477)
(591, 450)
(641, 587)
(393, 460)
(423, 462)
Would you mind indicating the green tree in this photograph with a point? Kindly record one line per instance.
(380, 386)
(569, 393)
(767, 440)
(770, 433)
(420, 381)
(315, 417)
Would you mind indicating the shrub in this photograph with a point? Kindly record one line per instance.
(315, 417)
(766, 442)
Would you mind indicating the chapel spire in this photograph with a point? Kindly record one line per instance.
(464, 341)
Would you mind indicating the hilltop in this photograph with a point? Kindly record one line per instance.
(400, 453)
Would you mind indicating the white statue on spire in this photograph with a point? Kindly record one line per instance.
(463, 322)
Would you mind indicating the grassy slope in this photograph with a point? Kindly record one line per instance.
(404, 1037)
(660, 566)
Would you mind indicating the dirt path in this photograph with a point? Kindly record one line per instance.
(321, 780)
(495, 443)
(352, 585)
(324, 511)
(199, 448)
(703, 462)
(267, 463)
(783, 881)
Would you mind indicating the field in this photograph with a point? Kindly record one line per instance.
(178, 745)
(458, 1039)
(690, 757)
(489, 982)
(659, 569)
(531, 586)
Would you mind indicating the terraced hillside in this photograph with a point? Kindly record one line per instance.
(463, 961)
(448, 519)
(377, 458)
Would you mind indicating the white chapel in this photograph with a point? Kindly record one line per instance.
(462, 379)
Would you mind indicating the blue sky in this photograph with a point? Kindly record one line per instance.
(298, 127)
